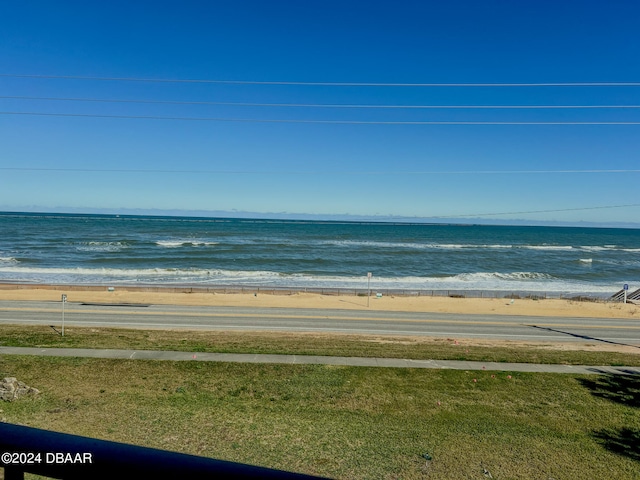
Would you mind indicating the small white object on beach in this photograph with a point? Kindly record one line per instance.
(378, 295)
(110, 289)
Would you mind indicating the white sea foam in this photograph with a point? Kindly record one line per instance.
(409, 245)
(513, 281)
(365, 243)
(9, 260)
(101, 246)
(458, 246)
(482, 281)
(184, 243)
(170, 243)
(168, 274)
(594, 248)
(95, 271)
(493, 276)
(586, 260)
(608, 248)
(548, 247)
(622, 262)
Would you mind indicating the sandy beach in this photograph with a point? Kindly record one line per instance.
(169, 296)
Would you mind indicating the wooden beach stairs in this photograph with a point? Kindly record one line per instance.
(632, 297)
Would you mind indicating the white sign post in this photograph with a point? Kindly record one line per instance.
(64, 300)
(368, 287)
(626, 289)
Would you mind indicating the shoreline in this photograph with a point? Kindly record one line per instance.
(329, 299)
(340, 291)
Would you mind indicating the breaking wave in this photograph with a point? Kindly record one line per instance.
(480, 281)
(409, 245)
(101, 246)
(184, 243)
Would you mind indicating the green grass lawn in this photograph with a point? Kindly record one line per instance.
(417, 348)
(345, 422)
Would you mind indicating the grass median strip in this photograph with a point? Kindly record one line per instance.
(415, 348)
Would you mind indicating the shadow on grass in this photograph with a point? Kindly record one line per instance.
(625, 390)
(624, 441)
(585, 337)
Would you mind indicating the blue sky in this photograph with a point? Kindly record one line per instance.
(455, 171)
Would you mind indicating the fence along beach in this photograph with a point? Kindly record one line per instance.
(294, 299)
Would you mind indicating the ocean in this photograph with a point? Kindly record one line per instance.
(213, 252)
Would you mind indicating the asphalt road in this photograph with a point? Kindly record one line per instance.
(620, 331)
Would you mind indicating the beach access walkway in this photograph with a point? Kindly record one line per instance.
(317, 360)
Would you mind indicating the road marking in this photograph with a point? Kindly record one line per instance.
(319, 317)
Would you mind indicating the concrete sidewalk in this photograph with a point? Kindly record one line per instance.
(317, 360)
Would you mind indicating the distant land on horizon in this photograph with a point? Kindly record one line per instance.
(314, 217)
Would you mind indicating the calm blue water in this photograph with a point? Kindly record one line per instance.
(92, 249)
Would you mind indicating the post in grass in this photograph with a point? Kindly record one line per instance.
(64, 300)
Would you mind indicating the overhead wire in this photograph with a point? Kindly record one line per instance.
(319, 172)
(319, 105)
(335, 106)
(555, 210)
(329, 84)
(304, 121)
(311, 105)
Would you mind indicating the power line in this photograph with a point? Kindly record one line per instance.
(302, 121)
(321, 172)
(314, 105)
(322, 84)
(537, 211)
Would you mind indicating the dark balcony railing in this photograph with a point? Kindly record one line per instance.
(60, 455)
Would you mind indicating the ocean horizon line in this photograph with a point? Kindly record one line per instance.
(229, 215)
